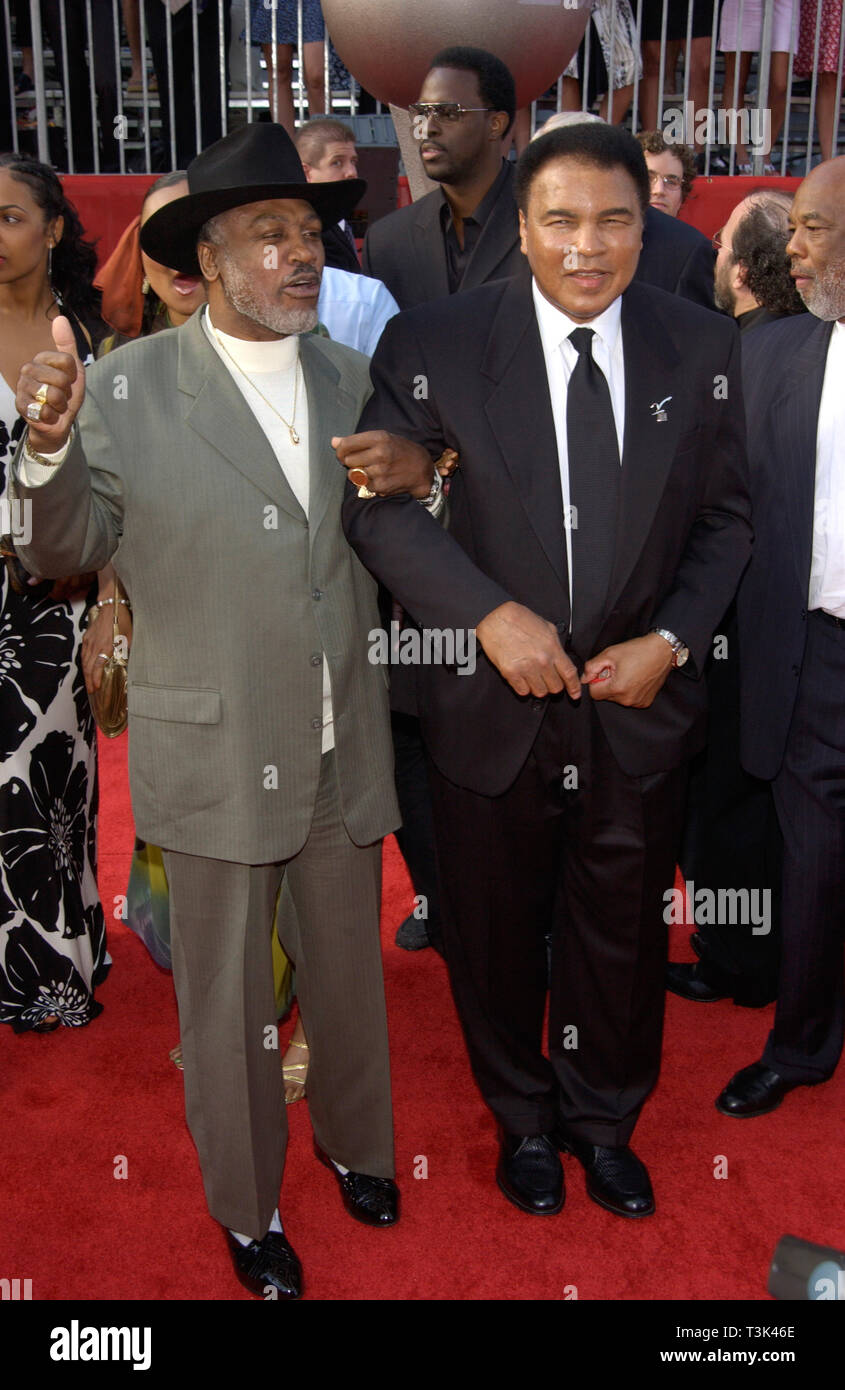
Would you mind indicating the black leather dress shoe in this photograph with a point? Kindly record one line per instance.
(530, 1174)
(267, 1264)
(412, 935)
(616, 1178)
(754, 1091)
(375, 1201)
(704, 981)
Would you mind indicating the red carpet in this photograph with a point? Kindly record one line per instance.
(74, 1101)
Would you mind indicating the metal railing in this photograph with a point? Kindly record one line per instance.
(79, 115)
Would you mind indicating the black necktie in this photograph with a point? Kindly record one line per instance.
(593, 485)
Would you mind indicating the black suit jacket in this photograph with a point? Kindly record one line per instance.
(783, 366)
(339, 253)
(677, 258)
(406, 249)
(684, 532)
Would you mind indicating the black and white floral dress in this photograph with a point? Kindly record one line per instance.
(52, 928)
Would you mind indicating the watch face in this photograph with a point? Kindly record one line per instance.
(682, 656)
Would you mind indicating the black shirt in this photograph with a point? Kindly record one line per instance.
(457, 258)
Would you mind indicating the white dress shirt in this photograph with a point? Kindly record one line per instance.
(561, 356)
(827, 570)
(354, 308)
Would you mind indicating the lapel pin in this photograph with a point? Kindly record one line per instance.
(659, 413)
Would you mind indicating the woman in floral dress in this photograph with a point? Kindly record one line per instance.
(52, 928)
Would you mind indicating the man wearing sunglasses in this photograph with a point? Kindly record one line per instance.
(465, 233)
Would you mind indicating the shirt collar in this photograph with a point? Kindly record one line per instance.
(555, 325)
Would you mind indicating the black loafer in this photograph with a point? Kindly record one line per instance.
(754, 1091)
(693, 980)
(616, 1178)
(375, 1201)
(268, 1264)
(704, 982)
(530, 1173)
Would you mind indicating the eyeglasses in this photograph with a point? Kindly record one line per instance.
(716, 240)
(668, 180)
(446, 111)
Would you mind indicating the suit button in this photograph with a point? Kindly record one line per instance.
(803, 612)
(537, 704)
(316, 723)
(316, 659)
(317, 594)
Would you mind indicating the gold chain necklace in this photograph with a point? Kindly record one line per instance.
(289, 424)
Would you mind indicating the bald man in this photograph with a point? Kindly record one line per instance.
(792, 641)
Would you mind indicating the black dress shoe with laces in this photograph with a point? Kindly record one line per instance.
(704, 981)
(530, 1174)
(267, 1264)
(375, 1201)
(755, 1091)
(616, 1178)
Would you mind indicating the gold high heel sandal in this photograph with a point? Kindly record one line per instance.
(290, 1073)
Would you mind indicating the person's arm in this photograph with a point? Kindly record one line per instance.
(98, 638)
(76, 515)
(420, 562)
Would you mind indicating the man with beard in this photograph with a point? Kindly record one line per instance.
(260, 743)
(792, 636)
(731, 837)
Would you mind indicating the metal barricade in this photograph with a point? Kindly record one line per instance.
(80, 116)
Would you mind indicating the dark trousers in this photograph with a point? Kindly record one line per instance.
(591, 863)
(84, 132)
(416, 837)
(806, 1041)
(221, 918)
(731, 835)
(184, 103)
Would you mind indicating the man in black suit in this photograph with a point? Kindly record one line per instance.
(598, 525)
(731, 837)
(792, 641)
(464, 233)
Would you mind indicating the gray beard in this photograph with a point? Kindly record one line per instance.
(242, 295)
(826, 297)
(724, 298)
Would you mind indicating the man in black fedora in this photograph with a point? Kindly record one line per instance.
(260, 741)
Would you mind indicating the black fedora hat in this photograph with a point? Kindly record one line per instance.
(257, 162)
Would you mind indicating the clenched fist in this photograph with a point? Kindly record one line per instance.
(63, 376)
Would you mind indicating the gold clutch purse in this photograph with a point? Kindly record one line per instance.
(109, 703)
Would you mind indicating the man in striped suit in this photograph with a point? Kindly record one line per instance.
(792, 640)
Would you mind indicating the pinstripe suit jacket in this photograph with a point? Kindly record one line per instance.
(783, 366)
(235, 594)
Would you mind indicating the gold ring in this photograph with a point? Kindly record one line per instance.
(359, 477)
(33, 410)
(104, 655)
(41, 393)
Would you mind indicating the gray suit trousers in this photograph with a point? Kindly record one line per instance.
(221, 920)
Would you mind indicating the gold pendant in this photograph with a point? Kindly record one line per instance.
(294, 437)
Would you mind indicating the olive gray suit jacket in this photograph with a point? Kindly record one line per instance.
(235, 596)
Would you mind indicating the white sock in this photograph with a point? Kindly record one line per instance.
(275, 1225)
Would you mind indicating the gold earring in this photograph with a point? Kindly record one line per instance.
(145, 286)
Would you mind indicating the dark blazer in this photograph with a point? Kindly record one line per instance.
(783, 366)
(676, 257)
(406, 249)
(339, 254)
(684, 532)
